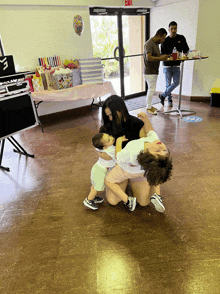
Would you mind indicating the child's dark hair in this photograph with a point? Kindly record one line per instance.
(157, 168)
(97, 141)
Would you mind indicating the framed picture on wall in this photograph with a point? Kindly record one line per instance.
(2, 51)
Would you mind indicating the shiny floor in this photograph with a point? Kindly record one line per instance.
(51, 243)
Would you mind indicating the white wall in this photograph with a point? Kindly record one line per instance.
(29, 32)
(185, 13)
(207, 41)
(165, 2)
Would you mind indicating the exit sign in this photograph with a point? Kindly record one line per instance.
(128, 2)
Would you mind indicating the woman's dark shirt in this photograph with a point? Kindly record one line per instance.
(130, 128)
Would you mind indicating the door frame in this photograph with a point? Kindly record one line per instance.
(119, 12)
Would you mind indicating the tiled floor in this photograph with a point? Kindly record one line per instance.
(51, 243)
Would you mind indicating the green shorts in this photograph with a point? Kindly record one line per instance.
(98, 174)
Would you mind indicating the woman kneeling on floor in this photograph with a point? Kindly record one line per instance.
(146, 163)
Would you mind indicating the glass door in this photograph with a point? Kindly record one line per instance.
(105, 43)
(118, 36)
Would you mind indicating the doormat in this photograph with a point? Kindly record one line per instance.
(139, 102)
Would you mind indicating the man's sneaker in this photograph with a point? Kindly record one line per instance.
(157, 202)
(152, 111)
(170, 102)
(98, 199)
(157, 110)
(90, 203)
(132, 203)
(162, 98)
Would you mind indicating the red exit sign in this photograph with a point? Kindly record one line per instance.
(128, 2)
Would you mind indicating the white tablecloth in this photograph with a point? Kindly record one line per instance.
(80, 92)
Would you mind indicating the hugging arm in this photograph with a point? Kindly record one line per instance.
(104, 155)
(118, 145)
(147, 125)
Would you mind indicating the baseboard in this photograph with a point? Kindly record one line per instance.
(205, 99)
(66, 114)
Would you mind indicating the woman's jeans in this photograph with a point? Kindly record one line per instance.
(171, 72)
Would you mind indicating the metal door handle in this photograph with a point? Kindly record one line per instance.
(116, 48)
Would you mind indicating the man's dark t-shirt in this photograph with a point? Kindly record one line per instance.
(167, 47)
(130, 129)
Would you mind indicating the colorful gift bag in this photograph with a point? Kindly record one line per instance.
(29, 79)
(44, 80)
(37, 84)
(45, 76)
(49, 79)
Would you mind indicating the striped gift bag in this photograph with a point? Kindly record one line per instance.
(91, 70)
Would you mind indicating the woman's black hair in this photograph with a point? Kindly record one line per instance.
(158, 169)
(114, 127)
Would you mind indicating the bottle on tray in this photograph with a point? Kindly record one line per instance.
(174, 53)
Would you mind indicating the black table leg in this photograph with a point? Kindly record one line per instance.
(36, 107)
(178, 110)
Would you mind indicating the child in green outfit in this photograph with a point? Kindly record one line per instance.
(102, 143)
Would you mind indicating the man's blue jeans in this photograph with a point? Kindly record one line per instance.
(171, 72)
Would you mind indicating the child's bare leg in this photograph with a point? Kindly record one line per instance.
(117, 190)
(156, 189)
(111, 197)
(92, 193)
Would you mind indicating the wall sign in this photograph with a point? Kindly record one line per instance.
(192, 119)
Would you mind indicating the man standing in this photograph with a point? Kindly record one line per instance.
(171, 69)
(152, 58)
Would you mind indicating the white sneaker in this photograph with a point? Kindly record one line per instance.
(132, 203)
(90, 203)
(157, 202)
(152, 111)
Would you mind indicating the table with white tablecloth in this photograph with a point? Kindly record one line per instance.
(79, 92)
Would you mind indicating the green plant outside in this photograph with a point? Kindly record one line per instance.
(105, 39)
